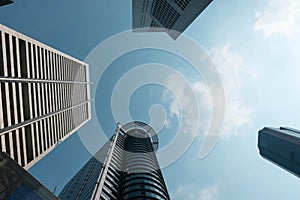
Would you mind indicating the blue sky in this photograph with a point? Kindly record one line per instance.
(254, 46)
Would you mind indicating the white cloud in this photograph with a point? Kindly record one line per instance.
(232, 70)
(234, 73)
(278, 17)
(183, 103)
(193, 192)
(209, 193)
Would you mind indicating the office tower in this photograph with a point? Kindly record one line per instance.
(126, 167)
(282, 147)
(17, 184)
(171, 16)
(5, 2)
(44, 97)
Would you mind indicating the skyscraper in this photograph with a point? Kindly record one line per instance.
(171, 16)
(126, 167)
(5, 2)
(17, 184)
(44, 97)
(282, 147)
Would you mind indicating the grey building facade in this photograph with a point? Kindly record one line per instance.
(44, 97)
(171, 16)
(126, 167)
(282, 147)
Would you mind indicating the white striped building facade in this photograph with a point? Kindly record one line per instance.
(44, 97)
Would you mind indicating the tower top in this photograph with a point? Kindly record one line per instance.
(140, 127)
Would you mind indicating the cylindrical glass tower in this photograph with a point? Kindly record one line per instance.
(141, 176)
(125, 168)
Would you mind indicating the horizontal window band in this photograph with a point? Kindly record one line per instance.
(26, 80)
(31, 121)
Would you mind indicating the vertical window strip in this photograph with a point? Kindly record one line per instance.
(34, 101)
(10, 104)
(1, 93)
(27, 58)
(60, 68)
(30, 61)
(41, 136)
(26, 101)
(60, 126)
(35, 63)
(1, 56)
(18, 146)
(23, 142)
(38, 131)
(37, 139)
(4, 106)
(43, 98)
(7, 72)
(45, 133)
(64, 68)
(1, 109)
(38, 67)
(36, 142)
(54, 125)
(23, 58)
(41, 61)
(47, 64)
(7, 94)
(62, 96)
(69, 95)
(29, 144)
(55, 97)
(51, 65)
(14, 57)
(65, 128)
(54, 65)
(50, 93)
(52, 128)
(46, 98)
(14, 135)
(48, 132)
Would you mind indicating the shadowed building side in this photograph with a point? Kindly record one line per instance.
(17, 184)
(5, 2)
(282, 147)
(171, 16)
(82, 185)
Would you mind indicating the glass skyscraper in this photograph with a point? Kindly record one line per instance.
(282, 147)
(44, 97)
(126, 167)
(17, 184)
(171, 16)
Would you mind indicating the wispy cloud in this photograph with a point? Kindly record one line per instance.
(183, 104)
(234, 73)
(278, 17)
(232, 69)
(194, 192)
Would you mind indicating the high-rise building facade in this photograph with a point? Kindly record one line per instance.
(17, 184)
(126, 167)
(282, 147)
(44, 97)
(171, 16)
